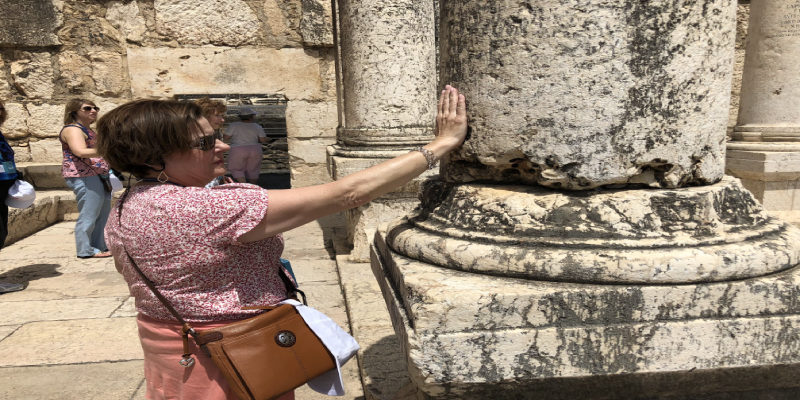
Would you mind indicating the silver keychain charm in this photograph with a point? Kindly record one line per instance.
(187, 361)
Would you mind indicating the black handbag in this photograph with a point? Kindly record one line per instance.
(106, 182)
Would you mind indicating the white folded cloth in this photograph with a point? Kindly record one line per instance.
(341, 345)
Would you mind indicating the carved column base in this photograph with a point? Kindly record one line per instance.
(767, 133)
(696, 234)
(771, 171)
(607, 294)
(362, 222)
(473, 336)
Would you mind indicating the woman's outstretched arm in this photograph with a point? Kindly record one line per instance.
(291, 208)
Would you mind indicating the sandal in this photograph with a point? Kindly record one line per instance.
(102, 254)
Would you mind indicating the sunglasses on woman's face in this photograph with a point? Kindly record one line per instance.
(90, 108)
(205, 143)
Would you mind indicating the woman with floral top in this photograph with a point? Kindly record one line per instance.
(86, 174)
(214, 253)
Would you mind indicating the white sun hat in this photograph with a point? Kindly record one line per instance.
(21, 195)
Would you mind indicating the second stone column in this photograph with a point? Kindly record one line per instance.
(388, 97)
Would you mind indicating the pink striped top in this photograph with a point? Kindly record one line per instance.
(73, 166)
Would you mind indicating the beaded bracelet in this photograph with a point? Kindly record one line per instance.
(429, 156)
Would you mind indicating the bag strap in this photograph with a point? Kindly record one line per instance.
(186, 329)
(291, 287)
(152, 287)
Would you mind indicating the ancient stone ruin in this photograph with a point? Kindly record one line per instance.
(584, 243)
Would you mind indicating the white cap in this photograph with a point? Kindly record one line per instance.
(20, 195)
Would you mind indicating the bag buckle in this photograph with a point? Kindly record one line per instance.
(187, 361)
(285, 338)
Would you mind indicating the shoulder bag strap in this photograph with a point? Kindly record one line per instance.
(186, 330)
(291, 288)
(187, 360)
(152, 287)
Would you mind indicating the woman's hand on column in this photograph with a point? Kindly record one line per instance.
(451, 122)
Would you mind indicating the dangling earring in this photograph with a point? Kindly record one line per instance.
(164, 178)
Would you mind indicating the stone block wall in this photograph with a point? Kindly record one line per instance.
(115, 51)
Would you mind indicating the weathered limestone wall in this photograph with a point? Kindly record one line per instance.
(114, 51)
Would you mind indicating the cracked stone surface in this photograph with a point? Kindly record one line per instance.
(469, 335)
(697, 234)
(585, 94)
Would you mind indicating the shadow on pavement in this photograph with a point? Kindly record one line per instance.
(384, 367)
(29, 273)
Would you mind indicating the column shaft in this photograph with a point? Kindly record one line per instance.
(579, 94)
(765, 152)
(388, 89)
(770, 99)
(388, 72)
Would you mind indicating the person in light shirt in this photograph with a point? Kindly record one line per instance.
(245, 138)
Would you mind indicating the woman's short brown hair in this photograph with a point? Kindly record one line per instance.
(136, 136)
(211, 106)
(71, 109)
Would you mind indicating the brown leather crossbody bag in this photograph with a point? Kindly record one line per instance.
(261, 357)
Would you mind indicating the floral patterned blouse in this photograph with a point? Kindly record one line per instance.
(184, 239)
(77, 167)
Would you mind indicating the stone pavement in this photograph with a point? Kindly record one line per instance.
(71, 334)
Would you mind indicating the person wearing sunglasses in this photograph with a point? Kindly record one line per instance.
(86, 173)
(214, 112)
(215, 253)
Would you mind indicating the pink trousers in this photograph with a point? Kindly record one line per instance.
(166, 379)
(245, 161)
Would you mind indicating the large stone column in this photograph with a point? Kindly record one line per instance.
(584, 242)
(765, 152)
(388, 96)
